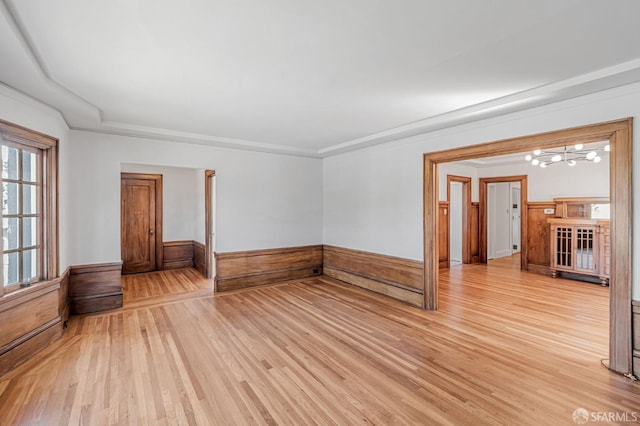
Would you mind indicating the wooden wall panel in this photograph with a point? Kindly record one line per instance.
(29, 321)
(184, 254)
(64, 303)
(33, 343)
(474, 231)
(258, 267)
(177, 254)
(636, 337)
(21, 315)
(538, 248)
(396, 277)
(199, 257)
(95, 288)
(443, 234)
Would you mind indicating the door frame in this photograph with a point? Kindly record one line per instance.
(466, 218)
(619, 135)
(483, 225)
(158, 226)
(208, 222)
(518, 190)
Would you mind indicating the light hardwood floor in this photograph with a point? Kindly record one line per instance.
(154, 288)
(505, 348)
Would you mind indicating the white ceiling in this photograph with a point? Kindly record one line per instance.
(309, 78)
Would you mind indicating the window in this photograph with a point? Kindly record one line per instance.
(29, 207)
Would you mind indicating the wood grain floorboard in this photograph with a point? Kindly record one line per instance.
(505, 348)
(160, 287)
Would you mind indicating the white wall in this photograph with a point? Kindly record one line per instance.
(373, 197)
(199, 229)
(263, 200)
(182, 197)
(457, 169)
(20, 109)
(585, 179)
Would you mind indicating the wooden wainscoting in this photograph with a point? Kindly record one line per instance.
(177, 254)
(393, 276)
(636, 337)
(258, 267)
(95, 288)
(538, 248)
(29, 321)
(474, 231)
(184, 254)
(64, 302)
(443, 234)
(199, 257)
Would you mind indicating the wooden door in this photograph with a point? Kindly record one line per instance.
(141, 222)
(465, 207)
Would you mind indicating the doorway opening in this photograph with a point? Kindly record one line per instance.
(618, 134)
(179, 255)
(503, 223)
(141, 222)
(459, 235)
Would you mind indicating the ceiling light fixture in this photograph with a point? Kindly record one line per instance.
(568, 155)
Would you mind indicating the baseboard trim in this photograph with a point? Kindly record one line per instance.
(177, 264)
(64, 302)
(392, 276)
(199, 257)
(539, 269)
(411, 296)
(98, 303)
(21, 350)
(235, 283)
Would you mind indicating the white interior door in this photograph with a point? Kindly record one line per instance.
(515, 217)
(498, 220)
(455, 224)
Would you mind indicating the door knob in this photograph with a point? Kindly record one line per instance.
(151, 231)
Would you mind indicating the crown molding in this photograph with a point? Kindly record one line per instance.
(125, 129)
(604, 79)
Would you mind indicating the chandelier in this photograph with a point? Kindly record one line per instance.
(569, 156)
